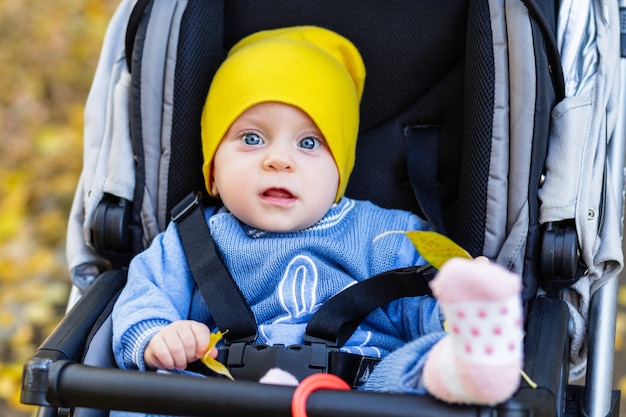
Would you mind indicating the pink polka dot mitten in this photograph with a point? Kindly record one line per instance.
(480, 359)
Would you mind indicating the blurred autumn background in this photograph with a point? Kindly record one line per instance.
(48, 54)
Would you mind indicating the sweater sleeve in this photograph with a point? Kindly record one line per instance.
(401, 371)
(158, 292)
(135, 340)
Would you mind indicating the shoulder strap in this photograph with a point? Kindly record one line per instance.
(339, 317)
(220, 292)
(422, 147)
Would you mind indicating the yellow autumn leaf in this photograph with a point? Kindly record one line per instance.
(212, 363)
(436, 248)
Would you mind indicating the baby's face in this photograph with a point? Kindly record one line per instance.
(273, 169)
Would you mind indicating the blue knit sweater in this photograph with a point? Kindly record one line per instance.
(285, 277)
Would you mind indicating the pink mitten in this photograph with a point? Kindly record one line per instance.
(479, 361)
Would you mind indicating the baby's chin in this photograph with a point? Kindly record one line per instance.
(276, 229)
(279, 219)
(280, 226)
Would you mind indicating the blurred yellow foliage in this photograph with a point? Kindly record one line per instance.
(620, 330)
(47, 61)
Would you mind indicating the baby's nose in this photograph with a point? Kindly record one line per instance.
(278, 159)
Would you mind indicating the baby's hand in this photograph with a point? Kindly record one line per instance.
(482, 259)
(177, 345)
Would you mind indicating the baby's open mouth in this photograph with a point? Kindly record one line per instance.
(277, 193)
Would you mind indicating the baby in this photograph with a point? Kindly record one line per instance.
(279, 132)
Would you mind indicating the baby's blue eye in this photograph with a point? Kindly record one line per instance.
(252, 139)
(310, 143)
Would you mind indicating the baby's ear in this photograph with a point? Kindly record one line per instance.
(214, 190)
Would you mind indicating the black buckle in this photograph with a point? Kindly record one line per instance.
(352, 368)
(253, 361)
(182, 209)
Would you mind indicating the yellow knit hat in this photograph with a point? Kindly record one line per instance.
(308, 67)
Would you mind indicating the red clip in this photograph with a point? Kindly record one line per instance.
(310, 384)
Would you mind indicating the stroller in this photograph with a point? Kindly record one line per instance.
(515, 104)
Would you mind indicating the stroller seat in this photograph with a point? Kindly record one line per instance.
(462, 105)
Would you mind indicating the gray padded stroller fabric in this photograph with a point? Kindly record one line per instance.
(100, 123)
(107, 134)
(577, 183)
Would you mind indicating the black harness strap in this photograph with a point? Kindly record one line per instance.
(132, 28)
(339, 317)
(220, 292)
(422, 146)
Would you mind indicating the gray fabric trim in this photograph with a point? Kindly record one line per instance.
(497, 188)
(168, 111)
(522, 78)
(120, 163)
(156, 108)
(151, 96)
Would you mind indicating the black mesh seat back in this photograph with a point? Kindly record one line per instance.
(415, 56)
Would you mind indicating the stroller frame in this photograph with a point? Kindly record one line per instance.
(53, 380)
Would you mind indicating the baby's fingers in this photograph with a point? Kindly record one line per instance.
(202, 336)
(157, 354)
(182, 347)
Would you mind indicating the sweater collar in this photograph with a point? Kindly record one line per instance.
(334, 216)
